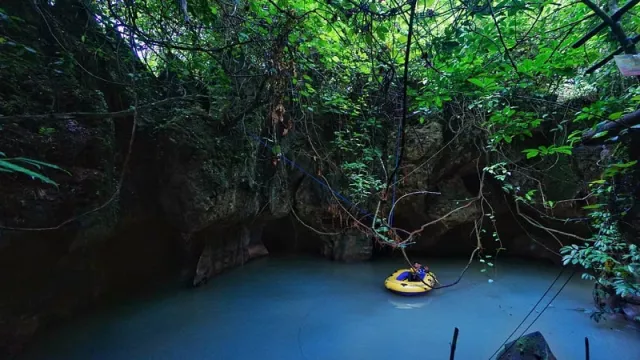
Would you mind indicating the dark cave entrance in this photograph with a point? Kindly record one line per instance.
(286, 236)
(471, 183)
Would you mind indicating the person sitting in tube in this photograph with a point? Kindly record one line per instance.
(418, 272)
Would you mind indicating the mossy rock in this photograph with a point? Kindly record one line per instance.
(207, 170)
(562, 180)
(532, 346)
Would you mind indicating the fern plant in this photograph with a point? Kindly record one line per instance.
(19, 165)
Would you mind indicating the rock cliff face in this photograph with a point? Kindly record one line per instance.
(47, 272)
(188, 190)
(449, 163)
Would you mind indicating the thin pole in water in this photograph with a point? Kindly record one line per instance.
(453, 344)
(586, 348)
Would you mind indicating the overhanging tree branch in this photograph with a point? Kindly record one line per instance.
(98, 115)
(613, 127)
(608, 58)
(504, 45)
(405, 80)
(627, 45)
(615, 17)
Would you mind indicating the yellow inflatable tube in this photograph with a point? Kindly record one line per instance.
(398, 282)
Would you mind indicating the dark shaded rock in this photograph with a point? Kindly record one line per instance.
(448, 163)
(631, 312)
(532, 346)
(187, 174)
(256, 251)
(422, 142)
(454, 196)
(15, 331)
(313, 204)
(534, 247)
(204, 179)
(226, 249)
(204, 269)
(114, 248)
(317, 209)
(421, 156)
(422, 209)
(608, 301)
(351, 246)
(50, 274)
(279, 197)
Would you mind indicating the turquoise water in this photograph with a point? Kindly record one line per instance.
(279, 308)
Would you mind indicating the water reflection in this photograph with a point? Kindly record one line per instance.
(410, 303)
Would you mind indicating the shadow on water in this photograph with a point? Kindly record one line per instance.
(308, 308)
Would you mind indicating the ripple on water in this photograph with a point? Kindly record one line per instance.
(316, 309)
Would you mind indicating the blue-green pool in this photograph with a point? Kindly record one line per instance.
(306, 308)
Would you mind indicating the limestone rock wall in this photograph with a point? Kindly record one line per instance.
(189, 187)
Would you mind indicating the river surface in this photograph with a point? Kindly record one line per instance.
(306, 308)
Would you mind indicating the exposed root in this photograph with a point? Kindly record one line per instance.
(309, 226)
(471, 202)
(529, 234)
(406, 195)
(550, 231)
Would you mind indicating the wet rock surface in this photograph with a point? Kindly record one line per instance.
(532, 346)
(351, 246)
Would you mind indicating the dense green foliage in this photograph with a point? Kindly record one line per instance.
(329, 73)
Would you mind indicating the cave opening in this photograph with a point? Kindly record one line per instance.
(471, 183)
(285, 236)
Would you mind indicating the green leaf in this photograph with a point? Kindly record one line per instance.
(531, 153)
(563, 150)
(600, 134)
(477, 82)
(626, 165)
(594, 206)
(615, 116)
(37, 163)
(19, 169)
